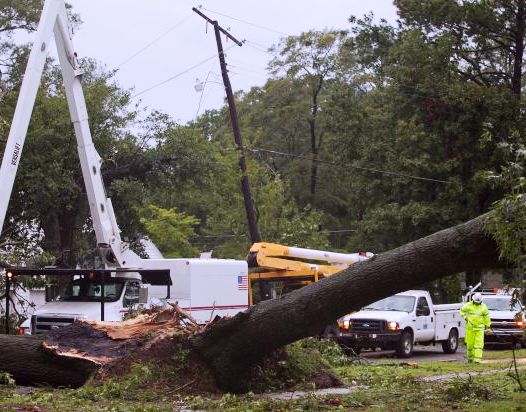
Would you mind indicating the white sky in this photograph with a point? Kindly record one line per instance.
(114, 30)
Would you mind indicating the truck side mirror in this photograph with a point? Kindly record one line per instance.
(143, 295)
(51, 292)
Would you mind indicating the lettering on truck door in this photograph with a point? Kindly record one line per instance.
(425, 322)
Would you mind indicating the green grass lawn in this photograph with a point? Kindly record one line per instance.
(501, 354)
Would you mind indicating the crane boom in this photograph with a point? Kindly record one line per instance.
(293, 266)
(54, 21)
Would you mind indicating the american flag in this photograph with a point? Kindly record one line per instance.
(242, 283)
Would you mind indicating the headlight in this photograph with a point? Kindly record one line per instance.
(392, 325)
(519, 323)
(347, 324)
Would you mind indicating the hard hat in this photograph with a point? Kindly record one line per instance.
(477, 298)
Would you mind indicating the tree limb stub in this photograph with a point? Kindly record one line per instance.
(232, 346)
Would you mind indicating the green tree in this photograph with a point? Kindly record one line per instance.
(170, 230)
(309, 61)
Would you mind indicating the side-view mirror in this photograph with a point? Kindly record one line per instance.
(51, 292)
(143, 295)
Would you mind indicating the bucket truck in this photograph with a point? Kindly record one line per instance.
(201, 286)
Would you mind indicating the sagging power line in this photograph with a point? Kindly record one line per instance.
(351, 166)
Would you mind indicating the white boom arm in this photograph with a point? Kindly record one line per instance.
(54, 21)
(332, 257)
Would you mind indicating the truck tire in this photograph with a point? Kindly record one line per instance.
(451, 344)
(404, 348)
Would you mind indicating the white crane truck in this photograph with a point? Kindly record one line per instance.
(400, 321)
(202, 286)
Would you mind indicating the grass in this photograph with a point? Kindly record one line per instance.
(378, 386)
(504, 354)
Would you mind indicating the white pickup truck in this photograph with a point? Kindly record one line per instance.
(507, 319)
(400, 321)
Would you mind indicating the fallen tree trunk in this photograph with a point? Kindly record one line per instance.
(29, 362)
(71, 355)
(232, 346)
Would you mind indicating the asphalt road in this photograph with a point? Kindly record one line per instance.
(420, 354)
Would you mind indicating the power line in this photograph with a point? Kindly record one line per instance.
(251, 44)
(154, 41)
(247, 69)
(368, 169)
(247, 22)
(177, 75)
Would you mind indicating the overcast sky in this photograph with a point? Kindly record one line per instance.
(113, 31)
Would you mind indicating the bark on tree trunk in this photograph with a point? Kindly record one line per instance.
(30, 363)
(232, 346)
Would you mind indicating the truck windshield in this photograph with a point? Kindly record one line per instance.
(501, 304)
(394, 303)
(86, 290)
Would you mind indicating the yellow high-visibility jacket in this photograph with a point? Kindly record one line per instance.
(477, 316)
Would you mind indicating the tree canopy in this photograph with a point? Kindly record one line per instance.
(365, 137)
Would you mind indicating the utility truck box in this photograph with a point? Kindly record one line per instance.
(401, 321)
(203, 287)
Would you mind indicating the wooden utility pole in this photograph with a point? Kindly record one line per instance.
(245, 185)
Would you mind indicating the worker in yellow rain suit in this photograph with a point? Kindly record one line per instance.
(477, 319)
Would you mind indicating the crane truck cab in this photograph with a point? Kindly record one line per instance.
(399, 322)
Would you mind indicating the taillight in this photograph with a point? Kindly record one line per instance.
(21, 331)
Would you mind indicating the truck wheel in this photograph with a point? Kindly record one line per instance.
(451, 344)
(404, 348)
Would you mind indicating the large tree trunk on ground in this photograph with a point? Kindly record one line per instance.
(232, 346)
(31, 363)
(71, 355)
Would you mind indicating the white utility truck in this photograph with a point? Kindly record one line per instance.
(507, 317)
(206, 287)
(400, 321)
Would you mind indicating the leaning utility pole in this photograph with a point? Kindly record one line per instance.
(245, 186)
